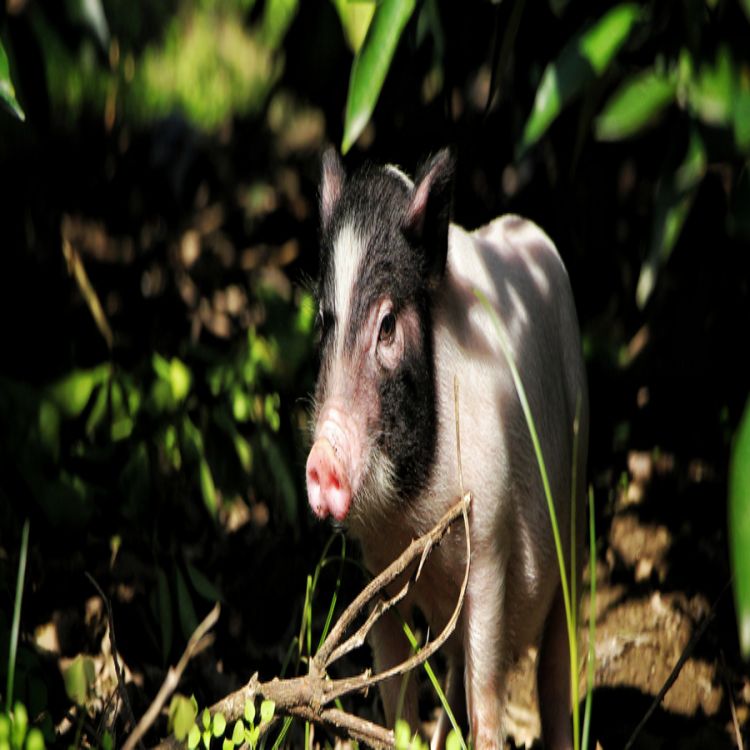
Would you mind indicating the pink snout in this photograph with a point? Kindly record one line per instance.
(328, 488)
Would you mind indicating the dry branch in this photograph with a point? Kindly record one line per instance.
(309, 697)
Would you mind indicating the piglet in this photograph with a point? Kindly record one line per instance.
(398, 321)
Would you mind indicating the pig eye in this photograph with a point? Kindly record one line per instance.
(387, 328)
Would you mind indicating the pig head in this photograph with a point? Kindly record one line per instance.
(398, 322)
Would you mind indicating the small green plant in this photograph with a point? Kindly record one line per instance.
(184, 723)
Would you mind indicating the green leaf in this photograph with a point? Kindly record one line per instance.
(227, 744)
(252, 737)
(674, 197)
(249, 711)
(78, 678)
(108, 741)
(219, 724)
(371, 65)
(453, 741)
(635, 105)
(202, 584)
(182, 713)
(710, 93)
(402, 734)
(355, 19)
(194, 737)
(742, 120)
(739, 528)
(206, 737)
(71, 394)
(35, 739)
(746, 7)
(238, 733)
(208, 488)
(584, 58)
(4, 728)
(266, 711)
(206, 718)
(7, 92)
(277, 17)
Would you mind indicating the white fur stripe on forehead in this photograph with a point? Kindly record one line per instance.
(348, 253)
(396, 172)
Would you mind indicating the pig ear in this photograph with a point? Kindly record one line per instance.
(331, 184)
(428, 213)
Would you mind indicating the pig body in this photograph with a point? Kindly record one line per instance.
(403, 322)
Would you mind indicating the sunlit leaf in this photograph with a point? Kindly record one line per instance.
(402, 734)
(71, 394)
(7, 92)
(742, 120)
(355, 19)
(238, 733)
(585, 57)
(267, 707)
(182, 715)
(371, 65)
(219, 724)
(711, 91)
(277, 17)
(208, 488)
(249, 711)
(194, 737)
(739, 528)
(79, 677)
(635, 105)
(674, 197)
(35, 739)
(453, 741)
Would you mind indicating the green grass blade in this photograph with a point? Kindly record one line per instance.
(436, 685)
(371, 65)
(7, 92)
(17, 615)
(739, 528)
(592, 625)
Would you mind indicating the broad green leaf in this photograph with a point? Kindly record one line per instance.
(206, 718)
(20, 724)
(674, 197)
(739, 528)
(635, 105)
(71, 394)
(194, 737)
(208, 488)
(4, 728)
(7, 92)
(238, 733)
(182, 715)
(78, 678)
(219, 724)
(185, 608)
(227, 744)
(371, 65)
(277, 17)
(35, 739)
(249, 711)
(355, 19)
(453, 741)
(402, 734)
(711, 92)
(584, 58)
(266, 711)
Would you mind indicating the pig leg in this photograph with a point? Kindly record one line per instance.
(454, 694)
(553, 679)
(485, 651)
(390, 647)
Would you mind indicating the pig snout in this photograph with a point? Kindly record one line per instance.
(328, 488)
(335, 461)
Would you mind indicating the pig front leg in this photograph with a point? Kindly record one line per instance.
(390, 647)
(485, 650)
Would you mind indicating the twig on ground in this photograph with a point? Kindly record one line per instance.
(308, 697)
(198, 641)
